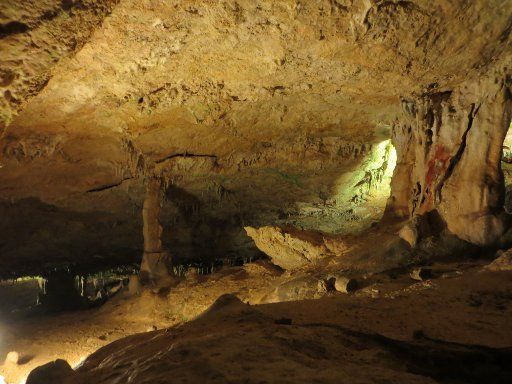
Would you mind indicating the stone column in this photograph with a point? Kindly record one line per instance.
(449, 147)
(154, 266)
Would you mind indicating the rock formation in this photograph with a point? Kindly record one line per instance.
(155, 261)
(34, 36)
(449, 146)
(188, 137)
(291, 249)
(253, 113)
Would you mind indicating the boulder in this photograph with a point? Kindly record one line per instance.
(290, 248)
(303, 287)
(344, 284)
(54, 372)
(421, 274)
(502, 263)
(12, 357)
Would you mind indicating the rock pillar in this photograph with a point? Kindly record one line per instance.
(154, 266)
(449, 148)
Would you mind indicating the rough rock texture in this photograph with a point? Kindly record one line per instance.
(502, 263)
(302, 287)
(34, 36)
(327, 340)
(55, 372)
(254, 112)
(449, 146)
(291, 249)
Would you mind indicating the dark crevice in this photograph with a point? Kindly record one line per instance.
(12, 28)
(456, 158)
(184, 155)
(444, 361)
(339, 7)
(109, 186)
(506, 32)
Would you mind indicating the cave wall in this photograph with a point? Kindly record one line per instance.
(34, 36)
(449, 144)
(258, 112)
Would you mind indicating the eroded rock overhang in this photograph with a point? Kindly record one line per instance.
(246, 106)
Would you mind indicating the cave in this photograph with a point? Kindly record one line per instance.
(263, 191)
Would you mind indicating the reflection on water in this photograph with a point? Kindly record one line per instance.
(61, 290)
(65, 289)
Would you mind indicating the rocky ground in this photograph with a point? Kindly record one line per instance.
(452, 327)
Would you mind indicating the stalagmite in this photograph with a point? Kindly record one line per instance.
(449, 147)
(154, 266)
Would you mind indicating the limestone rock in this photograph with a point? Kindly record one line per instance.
(502, 263)
(288, 248)
(297, 288)
(409, 233)
(12, 357)
(344, 284)
(421, 274)
(154, 267)
(56, 371)
(449, 147)
(155, 260)
(134, 286)
(276, 111)
(41, 32)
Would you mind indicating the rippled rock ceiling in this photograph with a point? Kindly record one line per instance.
(252, 112)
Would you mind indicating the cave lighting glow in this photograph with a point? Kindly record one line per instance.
(79, 363)
(384, 151)
(386, 145)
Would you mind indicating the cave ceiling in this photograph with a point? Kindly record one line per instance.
(220, 97)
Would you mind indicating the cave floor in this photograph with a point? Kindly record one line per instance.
(462, 306)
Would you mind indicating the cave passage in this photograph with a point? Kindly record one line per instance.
(506, 165)
(255, 192)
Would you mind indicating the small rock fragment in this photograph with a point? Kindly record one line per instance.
(12, 358)
(502, 263)
(345, 284)
(54, 372)
(409, 233)
(421, 274)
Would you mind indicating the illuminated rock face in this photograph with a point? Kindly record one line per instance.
(291, 249)
(34, 36)
(449, 148)
(254, 113)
